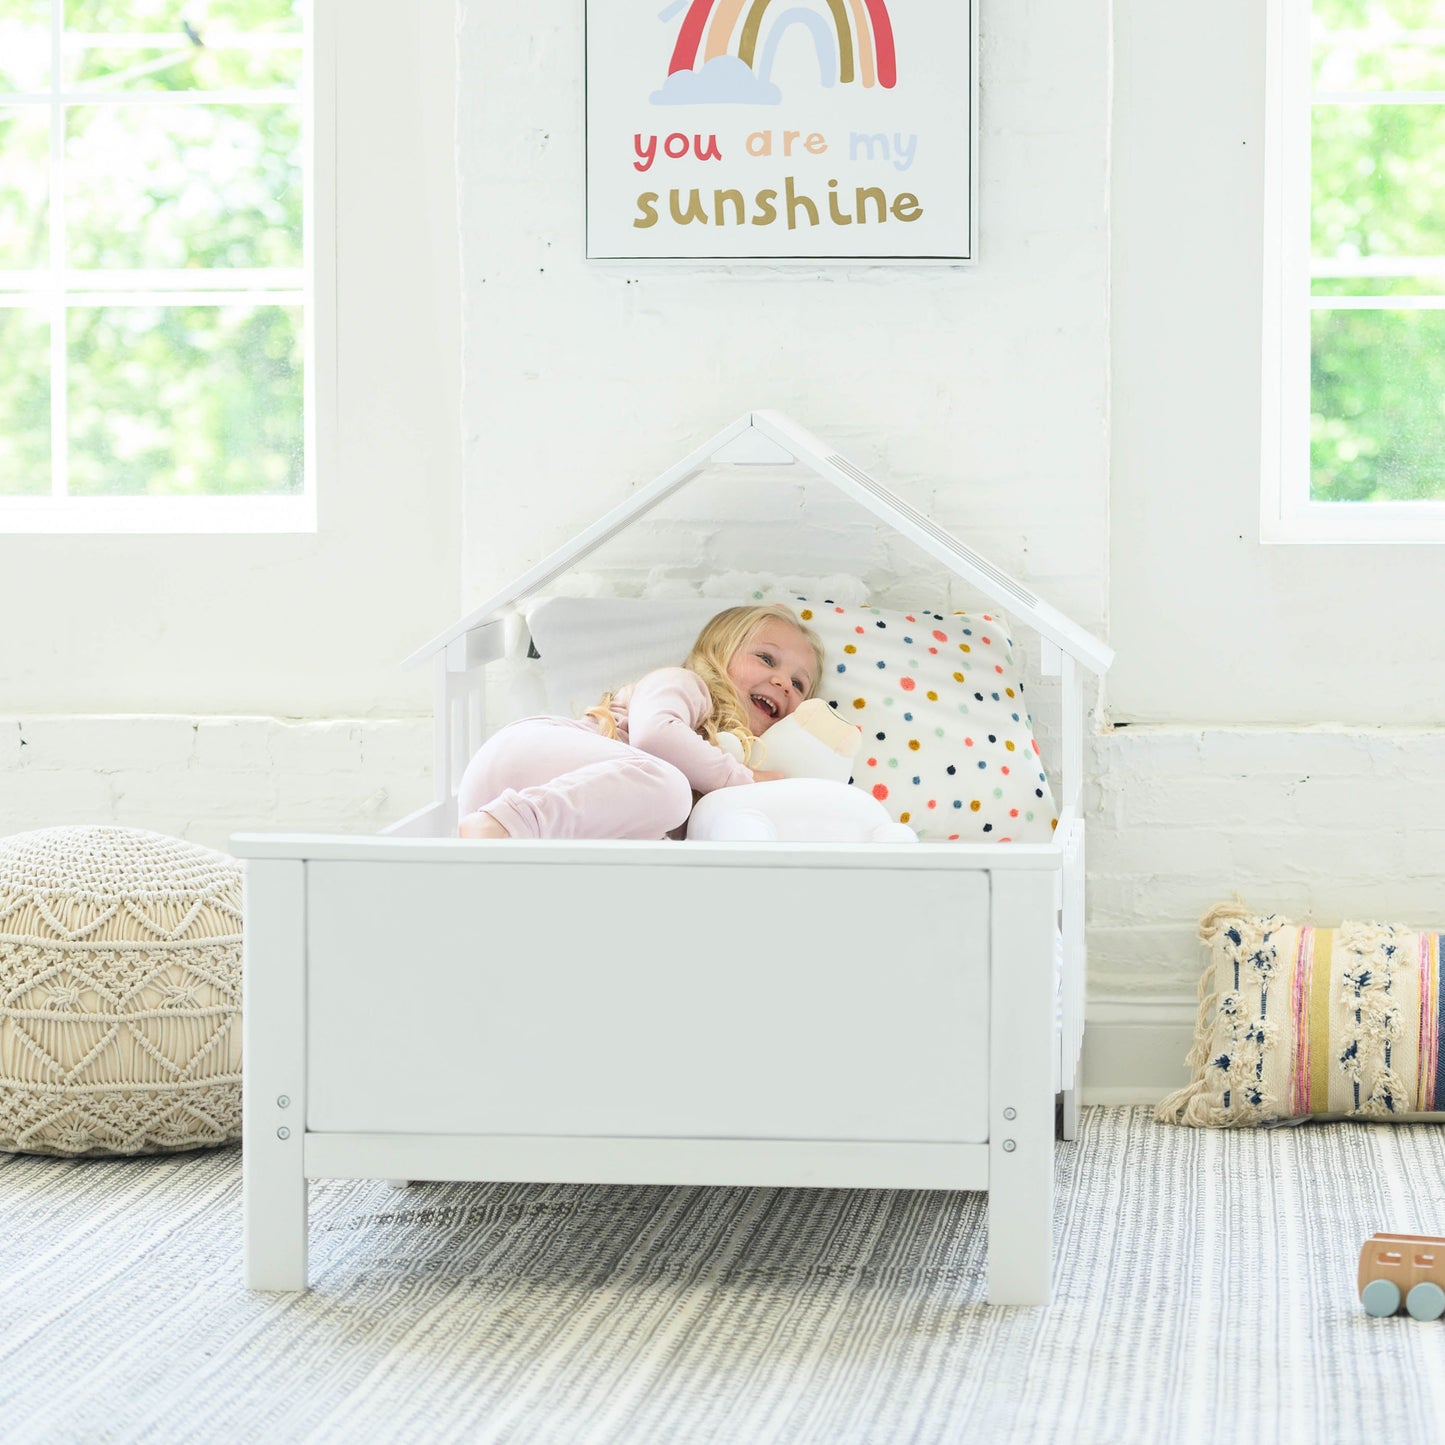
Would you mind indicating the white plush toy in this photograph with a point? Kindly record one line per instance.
(811, 742)
(813, 803)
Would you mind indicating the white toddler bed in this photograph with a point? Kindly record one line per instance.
(423, 1007)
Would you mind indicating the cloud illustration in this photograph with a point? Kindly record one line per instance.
(724, 80)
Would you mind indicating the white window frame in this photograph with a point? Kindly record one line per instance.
(1287, 514)
(312, 287)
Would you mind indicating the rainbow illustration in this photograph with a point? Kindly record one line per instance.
(865, 36)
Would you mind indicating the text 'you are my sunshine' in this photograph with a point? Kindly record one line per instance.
(731, 206)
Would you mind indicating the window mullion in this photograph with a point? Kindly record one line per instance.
(181, 98)
(1405, 302)
(1379, 97)
(312, 158)
(1333, 268)
(1285, 397)
(59, 369)
(1297, 249)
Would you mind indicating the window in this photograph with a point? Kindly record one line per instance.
(156, 356)
(1354, 335)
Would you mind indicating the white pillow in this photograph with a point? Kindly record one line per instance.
(591, 645)
(794, 810)
(948, 745)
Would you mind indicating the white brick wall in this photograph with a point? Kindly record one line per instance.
(1325, 822)
(205, 778)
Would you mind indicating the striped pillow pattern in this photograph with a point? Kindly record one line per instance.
(1297, 1021)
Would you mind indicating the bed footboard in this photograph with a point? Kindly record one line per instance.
(847, 1016)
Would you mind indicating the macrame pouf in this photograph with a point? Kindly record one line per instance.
(120, 993)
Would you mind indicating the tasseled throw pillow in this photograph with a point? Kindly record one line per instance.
(120, 993)
(1297, 1021)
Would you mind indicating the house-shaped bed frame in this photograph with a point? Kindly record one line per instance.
(418, 1006)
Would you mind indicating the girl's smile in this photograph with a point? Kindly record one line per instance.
(773, 672)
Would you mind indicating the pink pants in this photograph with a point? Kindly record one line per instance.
(554, 777)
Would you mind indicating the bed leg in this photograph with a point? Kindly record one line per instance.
(273, 1073)
(1070, 1122)
(1021, 1093)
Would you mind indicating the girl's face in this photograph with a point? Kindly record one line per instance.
(773, 671)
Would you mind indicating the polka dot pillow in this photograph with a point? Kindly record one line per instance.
(948, 746)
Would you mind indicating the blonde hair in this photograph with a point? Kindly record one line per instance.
(717, 644)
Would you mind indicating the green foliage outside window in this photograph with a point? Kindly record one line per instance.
(181, 400)
(162, 398)
(1377, 376)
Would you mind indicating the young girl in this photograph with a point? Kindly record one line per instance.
(631, 767)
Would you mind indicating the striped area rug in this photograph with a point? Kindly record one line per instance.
(1204, 1280)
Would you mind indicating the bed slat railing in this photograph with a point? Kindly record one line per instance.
(441, 713)
(460, 703)
(1071, 779)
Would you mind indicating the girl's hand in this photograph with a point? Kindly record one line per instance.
(764, 775)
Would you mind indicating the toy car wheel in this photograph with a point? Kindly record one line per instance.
(1381, 1297)
(1426, 1301)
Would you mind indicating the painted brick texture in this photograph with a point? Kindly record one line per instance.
(203, 779)
(1326, 822)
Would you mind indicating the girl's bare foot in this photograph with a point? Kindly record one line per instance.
(481, 825)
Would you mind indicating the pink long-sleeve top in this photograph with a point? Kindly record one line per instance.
(661, 712)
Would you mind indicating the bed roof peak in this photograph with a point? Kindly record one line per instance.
(770, 438)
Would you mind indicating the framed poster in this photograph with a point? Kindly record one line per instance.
(782, 130)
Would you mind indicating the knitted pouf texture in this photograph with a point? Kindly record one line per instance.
(120, 993)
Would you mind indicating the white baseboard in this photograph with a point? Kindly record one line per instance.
(1134, 1048)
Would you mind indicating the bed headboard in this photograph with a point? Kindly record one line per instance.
(586, 646)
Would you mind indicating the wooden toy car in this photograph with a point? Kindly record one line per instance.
(1408, 1267)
